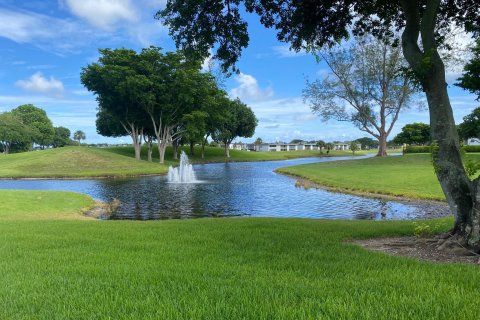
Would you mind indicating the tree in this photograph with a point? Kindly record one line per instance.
(470, 79)
(367, 143)
(61, 137)
(115, 81)
(470, 127)
(367, 88)
(79, 135)
(241, 122)
(297, 141)
(12, 131)
(37, 121)
(321, 145)
(354, 146)
(200, 25)
(258, 141)
(416, 133)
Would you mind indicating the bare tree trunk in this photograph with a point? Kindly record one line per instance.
(462, 195)
(192, 148)
(382, 146)
(149, 143)
(175, 149)
(227, 150)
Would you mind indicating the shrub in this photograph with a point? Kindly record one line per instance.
(417, 149)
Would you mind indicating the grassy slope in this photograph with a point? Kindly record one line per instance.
(410, 175)
(217, 269)
(213, 154)
(74, 162)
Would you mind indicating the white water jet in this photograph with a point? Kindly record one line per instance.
(183, 173)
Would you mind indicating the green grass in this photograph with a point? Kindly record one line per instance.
(240, 268)
(410, 175)
(215, 154)
(79, 162)
(74, 162)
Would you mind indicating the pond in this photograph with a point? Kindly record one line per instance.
(229, 189)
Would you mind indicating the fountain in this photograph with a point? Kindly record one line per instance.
(183, 173)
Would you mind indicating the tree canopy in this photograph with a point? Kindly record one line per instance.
(37, 121)
(470, 79)
(366, 87)
(416, 133)
(470, 127)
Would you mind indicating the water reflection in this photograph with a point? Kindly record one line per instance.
(227, 189)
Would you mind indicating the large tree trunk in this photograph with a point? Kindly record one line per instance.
(382, 146)
(460, 192)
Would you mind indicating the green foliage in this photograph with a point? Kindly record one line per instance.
(36, 119)
(373, 106)
(471, 148)
(79, 135)
(241, 122)
(367, 143)
(61, 138)
(414, 134)
(417, 149)
(470, 127)
(470, 80)
(426, 228)
(471, 167)
(354, 146)
(13, 133)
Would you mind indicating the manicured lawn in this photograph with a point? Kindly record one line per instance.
(214, 154)
(74, 162)
(77, 162)
(409, 175)
(247, 268)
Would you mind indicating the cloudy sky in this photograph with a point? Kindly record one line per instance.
(45, 44)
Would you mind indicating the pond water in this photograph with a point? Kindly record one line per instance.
(228, 189)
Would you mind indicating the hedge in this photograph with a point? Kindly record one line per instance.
(426, 149)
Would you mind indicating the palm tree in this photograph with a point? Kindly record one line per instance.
(79, 135)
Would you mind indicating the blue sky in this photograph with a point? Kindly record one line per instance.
(44, 45)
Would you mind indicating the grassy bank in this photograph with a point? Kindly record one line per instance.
(66, 268)
(214, 154)
(77, 162)
(74, 162)
(409, 176)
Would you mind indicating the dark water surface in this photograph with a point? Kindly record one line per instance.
(228, 189)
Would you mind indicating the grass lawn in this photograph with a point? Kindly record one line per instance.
(74, 162)
(239, 268)
(214, 154)
(77, 162)
(409, 175)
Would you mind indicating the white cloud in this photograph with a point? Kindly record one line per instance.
(285, 52)
(104, 14)
(249, 90)
(38, 83)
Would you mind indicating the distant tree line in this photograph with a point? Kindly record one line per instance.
(27, 126)
(164, 98)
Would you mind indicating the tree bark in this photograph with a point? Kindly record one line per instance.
(227, 151)
(382, 146)
(462, 195)
(192, 148)
(175, 149)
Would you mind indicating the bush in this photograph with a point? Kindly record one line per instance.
(417, 149)
(426, 149)
(471, 148)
